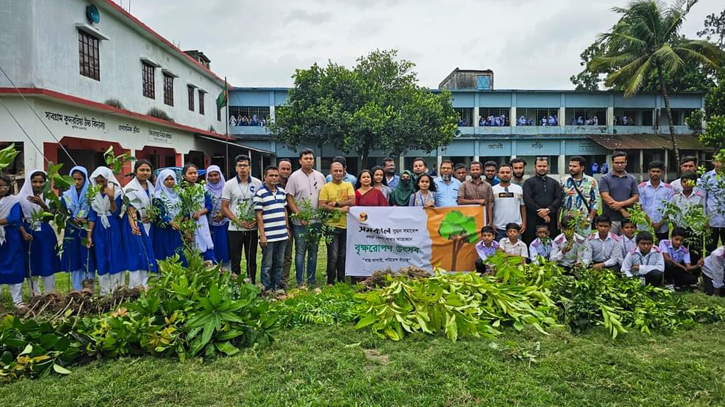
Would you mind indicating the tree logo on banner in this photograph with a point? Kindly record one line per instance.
(459, 229)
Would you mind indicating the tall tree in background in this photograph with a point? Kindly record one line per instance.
(646, 39)
(376, 105)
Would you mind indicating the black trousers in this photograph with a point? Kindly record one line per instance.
(678, 276)
(533, 220)
(718, 234)
(709, 288)
(336, 251)
(244, 242)
(654, 278)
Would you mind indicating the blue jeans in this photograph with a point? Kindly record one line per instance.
(500, 234)
(273, 260)
(301, 246)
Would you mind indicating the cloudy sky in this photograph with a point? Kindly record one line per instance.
(529, 44)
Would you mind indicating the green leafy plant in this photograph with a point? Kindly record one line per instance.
(245, 211)
(116, 162)
(325, 306)
(321, 216)
(639, 217)
(459, 229)
(7, 156)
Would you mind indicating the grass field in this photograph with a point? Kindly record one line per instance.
(339, 366)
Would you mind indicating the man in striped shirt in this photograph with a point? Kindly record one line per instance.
(269, 206)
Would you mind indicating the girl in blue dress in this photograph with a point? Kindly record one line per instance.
(219, 223)
(12, 253)
(104, 230)
(137, 226)
(166, 235)
(77, 258)
(40, 238)
(202, 234)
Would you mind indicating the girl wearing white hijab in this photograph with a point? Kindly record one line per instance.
(39, 236)
(104, 230)
(218, 222)
(12, 253)
(76, 257)
(202, 234)
(136, 227)
(165, 232)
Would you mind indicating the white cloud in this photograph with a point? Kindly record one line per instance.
(527, 43)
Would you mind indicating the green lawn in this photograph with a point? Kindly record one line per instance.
(343, 367)
(339, 366)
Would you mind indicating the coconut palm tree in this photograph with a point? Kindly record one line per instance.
(646, 38)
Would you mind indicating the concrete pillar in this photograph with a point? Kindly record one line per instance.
(641, 165)
(610, 116)
(318, 163)
(475, 116)
(271, 114)
(513, 116)
(439, 160)
(401, 164)
(561, 163)
(562, 116)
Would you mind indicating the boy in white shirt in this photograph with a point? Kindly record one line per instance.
(629, 238)
(646, 261)
(541, 246)
(511, 245)
(569, 249)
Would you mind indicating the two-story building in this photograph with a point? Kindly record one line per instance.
(498, 125)
(80, 76)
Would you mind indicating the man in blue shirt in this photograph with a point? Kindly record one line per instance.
(347, 177)
(446, 186)
(653, 195)
(390, 175)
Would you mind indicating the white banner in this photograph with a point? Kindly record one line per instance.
(379, 238)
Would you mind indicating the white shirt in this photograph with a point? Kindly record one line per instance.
(607, 251)
(580, 253)
(518, 249)
(507, 203)
(235, 191)
(652, 261)
(713, 267)
(628, 245)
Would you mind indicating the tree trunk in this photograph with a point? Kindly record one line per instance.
(454, 256)
(666, 98)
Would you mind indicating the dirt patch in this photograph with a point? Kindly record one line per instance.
(375, 356)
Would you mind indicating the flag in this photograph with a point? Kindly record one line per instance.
(223, 97)
(221, 100)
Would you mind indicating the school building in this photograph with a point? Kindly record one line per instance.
(645, 136)
(86, 75)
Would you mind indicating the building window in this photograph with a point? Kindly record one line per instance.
(248, 115)
(147, 73)
(483, 82)
(88, 55)
(201, 102)
(191, 97)
(586, 117)
(218, 114)
(465, 116)
(494, 116)
(532, 116)
(169, 90)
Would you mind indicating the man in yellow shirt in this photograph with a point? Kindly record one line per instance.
(337, 195)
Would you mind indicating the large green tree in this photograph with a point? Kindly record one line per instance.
(376, 105)
(646, 39)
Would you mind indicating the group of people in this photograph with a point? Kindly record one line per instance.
(246, 121)
(580, 121)
(492, 120)
(113, 230)
(556, 218)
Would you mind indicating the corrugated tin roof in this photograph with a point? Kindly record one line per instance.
(645, 142)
